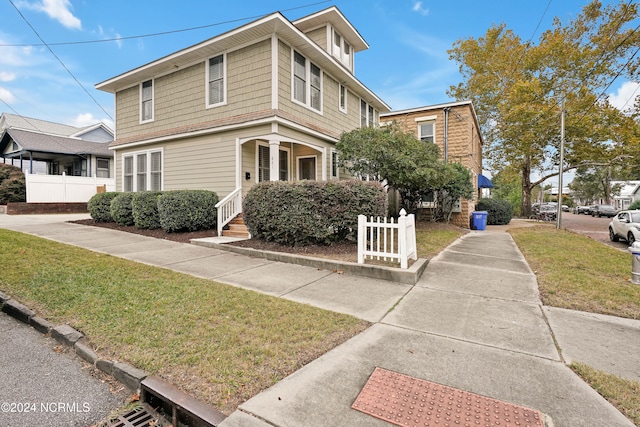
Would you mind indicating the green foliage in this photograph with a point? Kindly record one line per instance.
(635, 205)
(594, 183)
(499, 212)
(187, 210)
(121, 209)
(507, 185)
(452, 182)
(407, 164)
(99, 206)
(517, 87)
(310, 212)
(145, 209)
(12, 184)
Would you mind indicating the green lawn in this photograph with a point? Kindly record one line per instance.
(579, 273)
(219, 343)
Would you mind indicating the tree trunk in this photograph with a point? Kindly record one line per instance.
(525, 208)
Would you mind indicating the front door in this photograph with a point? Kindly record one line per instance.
(307, 168)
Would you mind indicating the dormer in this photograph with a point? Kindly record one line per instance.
(334, 33)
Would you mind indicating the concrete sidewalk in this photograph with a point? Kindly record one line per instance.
(474, 321)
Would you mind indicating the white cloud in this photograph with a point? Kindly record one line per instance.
(7, 96)
(7, 77)
(85, 119)
(417, 7)
(60, 10)
(624, 98)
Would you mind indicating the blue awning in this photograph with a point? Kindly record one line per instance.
(484, 182)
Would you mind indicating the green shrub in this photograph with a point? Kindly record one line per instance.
(310, 212)
(121, 209)
(145, 209)
(99, 206)
(13, 187)
(635, 205)
(187, 210)
(499, 212)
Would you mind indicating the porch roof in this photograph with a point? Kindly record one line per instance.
(29, 141)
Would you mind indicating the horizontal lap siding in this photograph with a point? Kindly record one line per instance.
(180, 97)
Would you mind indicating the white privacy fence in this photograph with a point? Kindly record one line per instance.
(384, 239)
(63, 188)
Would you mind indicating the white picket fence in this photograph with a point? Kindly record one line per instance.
(386, 240)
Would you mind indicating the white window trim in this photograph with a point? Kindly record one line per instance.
(333, 151)
(420, 123)
(153, 102)
(134, 155)
(307, 83)
(370, 120)
(281, 148)
(313, 156)
(342, 57)
(224, 81)
(342, 108)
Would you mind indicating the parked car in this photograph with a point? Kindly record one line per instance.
(548, 211)
(603, 210)
(582, 210)
(625, 225)
(565, 208)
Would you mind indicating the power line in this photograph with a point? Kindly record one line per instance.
(162, 33)
(60, 61)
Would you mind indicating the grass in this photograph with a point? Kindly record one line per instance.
(219, 343)
(578, 273)
(621, 393)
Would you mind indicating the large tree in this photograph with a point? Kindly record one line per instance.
(413, 167)
(518, 89)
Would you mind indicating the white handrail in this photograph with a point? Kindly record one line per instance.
(228, 208)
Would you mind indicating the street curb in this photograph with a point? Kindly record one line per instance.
(130, 376)
(409, 276)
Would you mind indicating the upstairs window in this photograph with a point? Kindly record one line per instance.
(342, 98)
(341, 50)
(368, 114)
(216, 81)
(307, 82)
(146, 101)
(426, 131)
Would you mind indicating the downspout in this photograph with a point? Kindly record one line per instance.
(446, 134)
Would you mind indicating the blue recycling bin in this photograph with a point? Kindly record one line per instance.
(479, 220)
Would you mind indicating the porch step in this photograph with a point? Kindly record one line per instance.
(236, 228)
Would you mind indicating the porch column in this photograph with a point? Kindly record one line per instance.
(274, 160)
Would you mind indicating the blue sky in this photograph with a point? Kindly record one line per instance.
(407, 63)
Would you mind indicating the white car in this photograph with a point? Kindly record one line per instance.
(625, 225)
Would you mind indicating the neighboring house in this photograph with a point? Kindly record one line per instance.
(266, 101)
(629, 193)
(47, 151)
(454, 128)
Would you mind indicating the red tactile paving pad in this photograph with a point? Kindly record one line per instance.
(407, 401)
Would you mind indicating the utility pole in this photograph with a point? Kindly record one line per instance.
(559, 214)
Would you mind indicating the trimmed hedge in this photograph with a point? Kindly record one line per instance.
(121, 209)
(187, 210)
(499, 212)
(13, 187)
(99, 206)
(145, 209)
(311, 212)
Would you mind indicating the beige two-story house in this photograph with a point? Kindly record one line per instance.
(265, 101)
(454, 128)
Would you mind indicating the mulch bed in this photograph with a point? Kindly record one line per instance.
(184, 237)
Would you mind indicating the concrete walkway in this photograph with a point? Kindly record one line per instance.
(474, 321)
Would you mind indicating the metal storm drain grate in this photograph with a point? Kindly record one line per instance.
(406, 401)
(134, 418)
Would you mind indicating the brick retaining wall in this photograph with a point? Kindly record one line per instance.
(45, 208)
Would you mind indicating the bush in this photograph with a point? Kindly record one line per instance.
(635, 205)
(121, 209)
(187, 210)
(310, 212)
(499, 212)
(99, 206)
(13, 187)
(145, 209)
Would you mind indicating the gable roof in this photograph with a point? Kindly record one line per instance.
(30, 141)
(260, 29)
(46, 127)
(339, 22)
